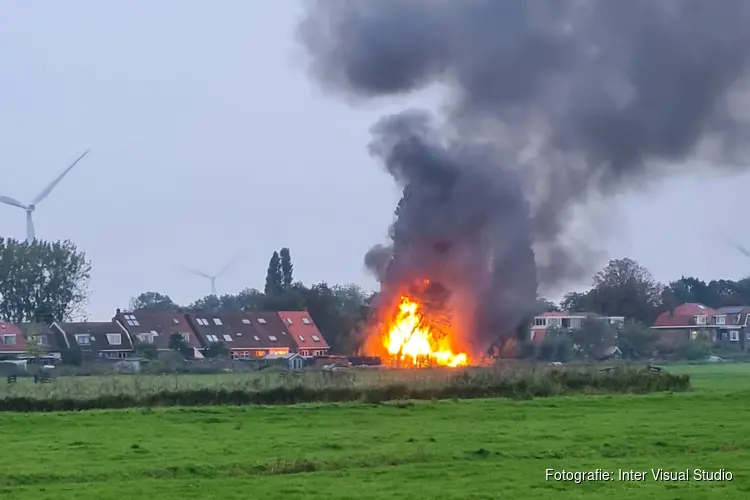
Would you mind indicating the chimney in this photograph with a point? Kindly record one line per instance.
(118, 311)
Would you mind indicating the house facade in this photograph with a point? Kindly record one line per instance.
(96, 339)
(47, 342)
(693, 321)
(156, 328)
(567, 320)
(307, 339)
(12, 340)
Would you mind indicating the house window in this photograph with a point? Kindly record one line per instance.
(316, 338)
(734, 335)
(272, 338)
(289, 320)
(540, 321)
(305, 353)
(217, 322)
(175, 321)
(228, 338)
(9, 339)
(185, 336)
(146, 338)
(262, 321)
(41, 340)
(246, 321)
(114, 338)
(721, 320)
(212, 338)
(700, 320)
(256, 338)
(260, 354)
(306, 321)
(130, 320)
(83, 339)
(201, 321)
(301, 338)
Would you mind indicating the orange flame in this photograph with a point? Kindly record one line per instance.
(409, 341)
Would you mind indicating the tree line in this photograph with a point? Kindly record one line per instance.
(339, 311)
(42, 281)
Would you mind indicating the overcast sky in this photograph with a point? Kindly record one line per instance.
(207, 138)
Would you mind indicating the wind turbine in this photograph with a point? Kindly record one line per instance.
(41, 196)
(212, 277)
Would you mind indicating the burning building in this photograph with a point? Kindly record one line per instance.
(552, 106)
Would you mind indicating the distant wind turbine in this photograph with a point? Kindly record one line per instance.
(744, 251)
(212, 277)
(30, 236)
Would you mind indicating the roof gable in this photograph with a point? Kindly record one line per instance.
(304, 332)
(142, 324)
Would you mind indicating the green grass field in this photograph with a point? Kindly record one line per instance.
(443, 450)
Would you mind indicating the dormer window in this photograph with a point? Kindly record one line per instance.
(540, 321)
(700, 320)
(721, 320)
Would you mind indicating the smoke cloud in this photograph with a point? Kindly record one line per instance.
(549, 103)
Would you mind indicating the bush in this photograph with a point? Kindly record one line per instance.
(465, 385)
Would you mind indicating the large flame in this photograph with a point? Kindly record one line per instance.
(410, 340)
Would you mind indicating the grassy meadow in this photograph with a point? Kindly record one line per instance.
(490, 448)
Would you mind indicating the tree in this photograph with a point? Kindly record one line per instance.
(636, 340)
(146, 351)
(274, 276)
(177, 342)
(594, 334)
(32, 347)
(153, 302)
(544, 305)
(42, 279)
(575, 302)
(286, 268)
(216, 350)
(625, 288)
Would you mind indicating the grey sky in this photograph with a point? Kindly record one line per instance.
(207, 137)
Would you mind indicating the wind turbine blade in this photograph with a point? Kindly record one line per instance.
(744, 251)
(11, 201)
(198, 273)
(29, 228)
(46, 191)
(229, 264)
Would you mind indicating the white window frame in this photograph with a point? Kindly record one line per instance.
(700, 320)
(734, 336)
(540, 321)
(111, 336)
(262, 321)
(228, 338)
(246, 321)
(217, 322)
(9, 339)
(306, 321)
(316, 338)
(720, 320)
(272, 338)
(80, 336)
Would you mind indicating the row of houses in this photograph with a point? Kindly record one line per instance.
(247, 335)
(687, 322)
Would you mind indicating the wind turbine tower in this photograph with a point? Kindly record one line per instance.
(212, 277)
(30, 236)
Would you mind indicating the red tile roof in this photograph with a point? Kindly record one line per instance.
(684, 314)
(303, 330)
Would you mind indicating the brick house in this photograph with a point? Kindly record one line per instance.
(308, 341)
(567, 320)
(692, 321)
(687, 322)
(156, 328)
(12, 340)
(251, 337)
(96, 339)
(49, 342)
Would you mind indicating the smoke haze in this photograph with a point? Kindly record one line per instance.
(550, 103)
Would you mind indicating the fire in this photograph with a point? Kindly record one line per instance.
(410, 340)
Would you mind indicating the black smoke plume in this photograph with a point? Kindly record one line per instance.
(550, 103)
